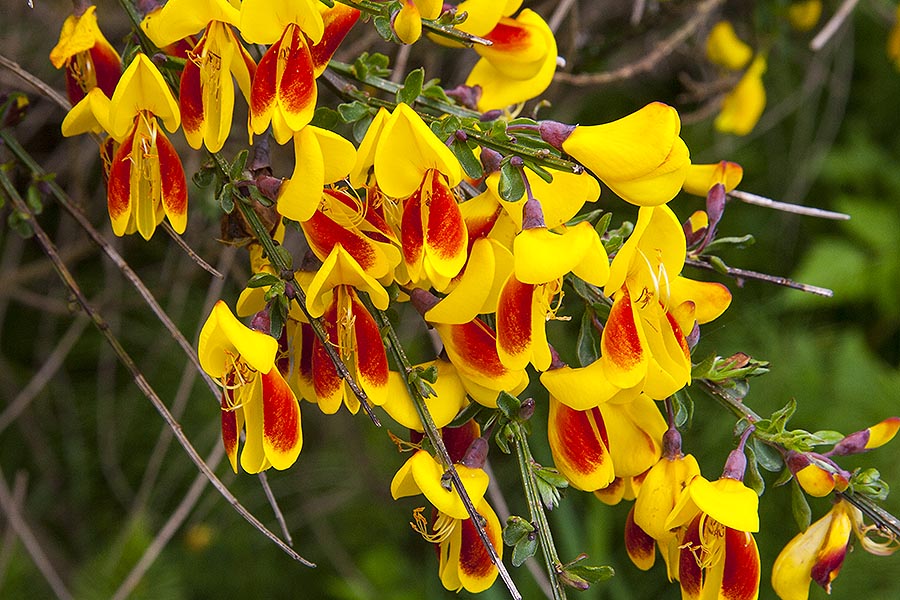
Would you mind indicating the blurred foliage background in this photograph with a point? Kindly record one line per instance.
(92, 469)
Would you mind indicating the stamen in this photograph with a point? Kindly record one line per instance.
(440, 531)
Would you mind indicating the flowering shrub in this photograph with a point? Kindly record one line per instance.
(417, 211)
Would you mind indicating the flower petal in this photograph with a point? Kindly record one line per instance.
(173, 183)
(448, 400)
(467, 299)
(476, 570)
(740, 580)
(222, 333)
(445, 236)
(142, 88)
(579, 445)
(282, 434)
(624, 344)
(640, 546)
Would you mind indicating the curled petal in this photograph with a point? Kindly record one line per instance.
(542, 255)
(449, 397)
(262, 21)
(337, 22)
(640, 546)
(142, 88)
(476, 570)
(423, 474)
(624, 344)
(320, 157)
(222, 334)
(584, 388)
(635, 431)
(468, 299)
(700, 178)
(339, 268)
(521, 318)
(660, 491)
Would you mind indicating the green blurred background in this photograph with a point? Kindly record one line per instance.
(93, 471)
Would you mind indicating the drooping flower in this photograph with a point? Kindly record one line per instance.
(744, 105)
(818, 475)
(640, 156)
(303, 38)
(90, 61)
(867, 439)
(255, 396)
(520, 63)
(146, 179)
(464, 562)
(206, 95)
(818, 553)
(718, 555)
(700, 178)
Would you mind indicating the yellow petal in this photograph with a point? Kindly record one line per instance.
(449, 398)
(407, 149)
(700, 178)
(728, 501)
(339, 268)
(726, 49)
(142, 88)
(263, 21)
(222, 333)
(742, 108)
(178, 19)
(91, 114)
(542, 255)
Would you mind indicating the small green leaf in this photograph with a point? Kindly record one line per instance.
(509, 405)
(524, 550)
(430, 374)
(465, 156)
(468, 413)
(603, 224)
(351, 112)
(768, 457)
(516, 529)
(262, 280)
(549, 493)
(285, 256)
(828, 437)
(539, 171)
(738, 243)
(800, 507)
(588, 344)
(432, 90)
(504, 436)
(590, 574)
(752, 478)
(226, 198)
(684, 408)
(412, 86)
(704, 368)
(383, 27)
(718, 264)
(325, 118)
(236, 171)
(205, 176)
(551, 476)
(511, 187)
(361, 127)
(616, 237)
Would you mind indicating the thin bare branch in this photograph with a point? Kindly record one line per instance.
(745, 274)
(273, 502)
(20, 526)
(14, 68)
(665, 48)
(7, 547)
(175, 521)
(190, 251)
(52, 364)
(797, 209)
(833, 25)
(50, 250)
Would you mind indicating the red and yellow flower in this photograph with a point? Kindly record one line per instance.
(90, 61)
(206, 95)
(255, 396)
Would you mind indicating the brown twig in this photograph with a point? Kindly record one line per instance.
(665, 48)
(14, 68)
(745, 274)
(190, 251)
(833, 24)
(50, 250)
(7, 548)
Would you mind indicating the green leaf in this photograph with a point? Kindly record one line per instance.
(752, 478)
(351, 112)
(466, 414)
(465, 156)
(262, 280)
(434, 91)
(603, 224)
(738, 243)
(285, 256)
(684, 408)
(511, 187)
(549, 493)
(704, 368)
(551, 476)
(412, 86)
(226, 198)
(588, 344)
(828, 437)
(768, 457)
(591, 574)
(718, 264)
(799, 506)
(33, 199)
(205, 176)
(236, 171)
(383, 27)
(539, 171)
(504, 436)
(524, 550)
(361, 127)
(325, 118)
(617, 237)
(516, 528)
(509, 405)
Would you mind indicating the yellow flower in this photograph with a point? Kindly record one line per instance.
(89, 59)
(804, 14)
(726, 49)
(701, 178)
(255, 396)
(407, 22)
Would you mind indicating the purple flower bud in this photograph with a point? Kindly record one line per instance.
(526, 409)
(555, 133)
(533, 215)
(490, 160)
(261, 322)
(423, 300)
(477, 453)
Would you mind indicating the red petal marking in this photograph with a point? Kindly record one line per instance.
(281, 413)
(307, 341)
(324, 234)
(827, 567)
(297, 86)
(370, 355)
(580, 439)
(690, 575)
(411, 235)
(640, 546)
(338, 22)
(229, 429)
(174, 185)
(474, 559)
(480, 226)
(621, 342)
(262, 90)
(514, 316)
(445, 235)
(190, 94)
(458, 439)
(326, 381)
(509, 36)
(475, 342)
(107, 67)
(118, 194)
(741, 576)
(679, 335)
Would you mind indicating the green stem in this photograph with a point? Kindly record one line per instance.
(338, 74)
(287, 274)
(448, 31)
(434, 436)
(536, 510)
